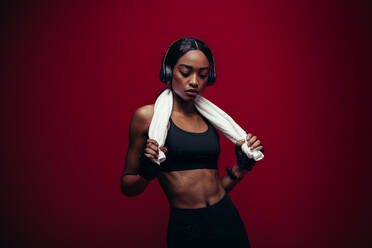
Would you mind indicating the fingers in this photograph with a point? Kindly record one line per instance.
(255, 144)
(251, 139)
(151, 150)
(163, 149)
(150, 153)
(152, 141)
(259, 148)
(239, 142)
(252, 142)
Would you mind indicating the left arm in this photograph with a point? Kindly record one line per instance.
(228, 183)
(240, 170)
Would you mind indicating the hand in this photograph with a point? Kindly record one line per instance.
(242, 160)
(151, 150)
(254, 143)
(147, 168)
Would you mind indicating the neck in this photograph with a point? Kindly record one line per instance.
(182, 106)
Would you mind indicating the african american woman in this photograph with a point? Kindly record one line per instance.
(201, 211)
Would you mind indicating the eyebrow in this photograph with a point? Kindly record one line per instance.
(190, 67)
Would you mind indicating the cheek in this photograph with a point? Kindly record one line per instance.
(177, 81)
(176, 84)
(202, 86)
(201, 90)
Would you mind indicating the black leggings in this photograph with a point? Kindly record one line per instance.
(217, 225)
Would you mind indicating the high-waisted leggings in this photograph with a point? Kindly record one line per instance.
(217, 225)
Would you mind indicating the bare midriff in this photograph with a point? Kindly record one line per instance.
(196, 188)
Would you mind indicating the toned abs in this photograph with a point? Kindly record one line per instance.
(189, 188)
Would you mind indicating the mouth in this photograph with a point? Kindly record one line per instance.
(192, 92)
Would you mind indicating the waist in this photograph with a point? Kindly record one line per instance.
(212, 205)
(191, 188)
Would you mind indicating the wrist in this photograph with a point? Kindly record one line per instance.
(147, 168)
(233, 175)
(239, 172)
(243, 161)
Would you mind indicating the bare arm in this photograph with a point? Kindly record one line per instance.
(133, 184)
(227, 182)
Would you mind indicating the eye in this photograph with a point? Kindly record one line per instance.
(203, 76)
(184, 74)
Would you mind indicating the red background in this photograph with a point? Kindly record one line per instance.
(73, 73)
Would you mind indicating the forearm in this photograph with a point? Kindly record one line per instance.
(132, 185)
(228, 183)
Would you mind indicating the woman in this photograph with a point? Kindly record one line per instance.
(201, 212)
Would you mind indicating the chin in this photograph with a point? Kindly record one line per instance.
(187, 98)
(184, 97)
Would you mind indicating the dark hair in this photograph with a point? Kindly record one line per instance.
(177, 49)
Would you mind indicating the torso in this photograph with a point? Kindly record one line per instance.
(194, 188)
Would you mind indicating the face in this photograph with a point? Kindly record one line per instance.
(190, 75)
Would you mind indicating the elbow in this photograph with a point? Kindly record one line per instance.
(125, 189)
(130, 193)
(127, 192)
(129, 189)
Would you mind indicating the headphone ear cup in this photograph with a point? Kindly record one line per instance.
(212, 72)
(211, 77)
(168, 74)
(162, 74)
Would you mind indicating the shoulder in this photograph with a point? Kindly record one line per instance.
(144, 113)
(142, 118)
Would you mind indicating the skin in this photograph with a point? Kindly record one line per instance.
(190, 188)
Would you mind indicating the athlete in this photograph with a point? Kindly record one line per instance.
(201, 212)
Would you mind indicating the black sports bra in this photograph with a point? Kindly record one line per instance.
(189, 151)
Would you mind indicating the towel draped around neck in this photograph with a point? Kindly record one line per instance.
(217, 117)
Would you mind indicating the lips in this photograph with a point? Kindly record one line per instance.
(192, 92)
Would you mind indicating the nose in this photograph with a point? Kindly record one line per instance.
(194, 81)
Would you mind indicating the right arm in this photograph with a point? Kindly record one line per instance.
(133, 184)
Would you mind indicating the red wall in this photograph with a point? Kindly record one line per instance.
(73, 73)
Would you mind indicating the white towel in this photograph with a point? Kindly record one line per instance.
(219, 119)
